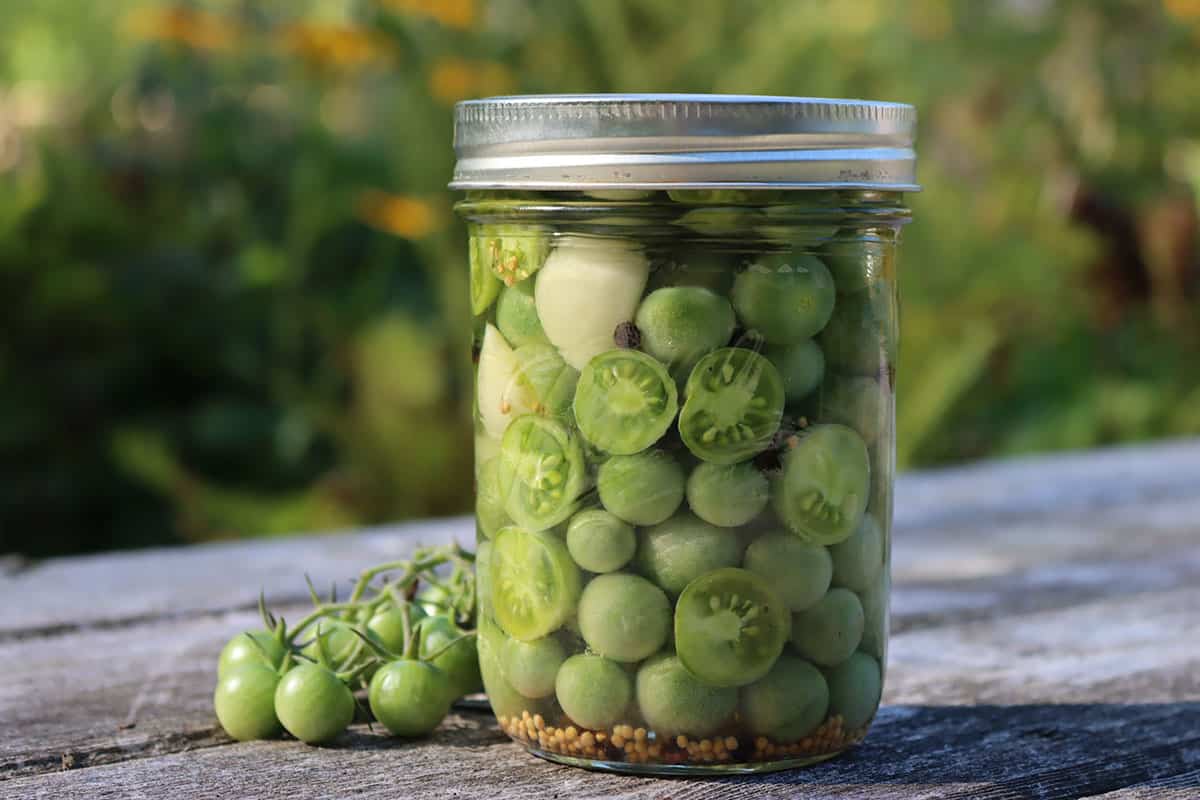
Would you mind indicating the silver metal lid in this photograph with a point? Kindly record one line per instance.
(654, 141)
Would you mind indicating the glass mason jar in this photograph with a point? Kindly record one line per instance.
(685, 341)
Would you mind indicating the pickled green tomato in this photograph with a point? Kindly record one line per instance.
(857, 402)
(485, 286)
(516, 315)
(730, 627)
(588, 287)
(504, 699)
(800, 224)
(535, 584)
(701, 268)
(785, 299)
(732, 197)
(829, 631)
(673, 701)
(679, 324)
(681, 549)
(624, 617)
(801, 366)
(798, 571)
(732, 407)
(483, 578)
(593, 691)
(857, 259)
(788, 703)
(511, 252)
(490, 515)
(857, 561)
(642, 489)
(822, 493)
(599, 541)
(245, 702)
(720, 221)
(875, 616)
(546, 381)
(530, 667)
(860, 338)
(541, 472)
(727, 495)
(855, 686)
(625, 401)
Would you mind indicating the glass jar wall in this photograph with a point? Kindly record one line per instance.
(684, 463)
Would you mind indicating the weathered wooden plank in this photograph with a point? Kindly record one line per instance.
(1113, 658)
(1033, 751)
(1111, 503)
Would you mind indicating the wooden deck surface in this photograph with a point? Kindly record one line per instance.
(1046, 644)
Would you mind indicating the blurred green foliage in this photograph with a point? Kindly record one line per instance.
(234, 293)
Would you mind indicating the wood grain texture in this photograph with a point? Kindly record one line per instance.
(1046, 644)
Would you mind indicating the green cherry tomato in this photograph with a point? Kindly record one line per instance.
(432, 600)
(245, 702)
(530, 667)
(593, 691)
(676, 552)
(786, 299)
(545, 380)
(242, 650)
(859, 261)
(823, 491)
(857, 402)
(599, 541)
(642, 489)
(410, 698)
(313, 704)
(340, 643)
(386, 627)
(860, 338)
(673, 701)
(798, 571)
(854, 689)
(535, 583)
(875, 613)
(625, 401)
(503, 698)
(727, 495)
(830, 630)
(542, 472)
(801, 366)
(483, 577)
(730, 627)
(857, 561)
(517, 318)
(788, 703)
(733, 402)
(679, 324)
(624, 617)
(460, 662)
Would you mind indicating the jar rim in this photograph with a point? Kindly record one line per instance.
(654, 141)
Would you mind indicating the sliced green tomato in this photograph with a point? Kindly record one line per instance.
(823, 491)
(732, 407)
(485, 286)
(489, 502)
(535, 585)
(511, 252)
(546, 381)
(730, 627)
(587, 288)
(625, 401)
(541, 472)
(497, 391)
(516, 315)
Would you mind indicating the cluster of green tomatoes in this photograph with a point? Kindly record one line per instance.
(407, 641)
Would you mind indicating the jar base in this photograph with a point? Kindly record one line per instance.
(683, 770)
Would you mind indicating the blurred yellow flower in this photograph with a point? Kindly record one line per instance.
(1183, 9)
(336, 46)
(409, 217)
(200, 30)
(453, 79)
(451, 13)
